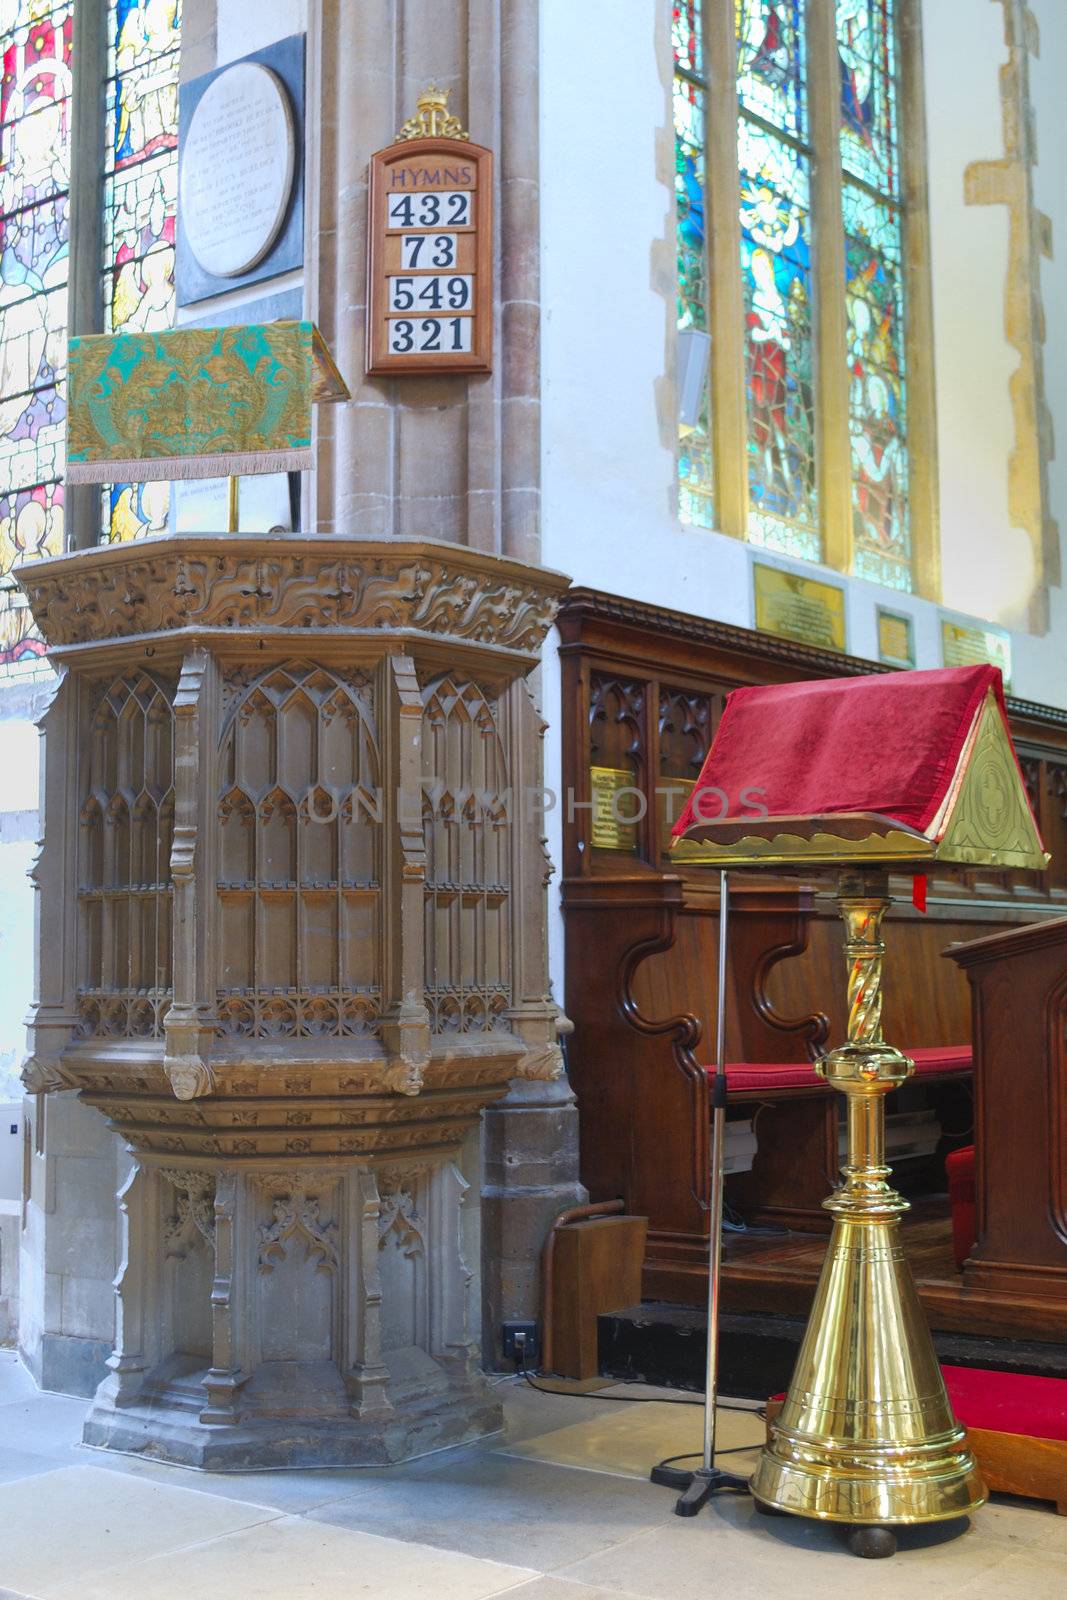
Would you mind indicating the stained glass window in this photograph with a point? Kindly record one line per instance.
(777, 169)
(694, 457)
(774, 160)
(34, 178)
(871, 211)
(141, 179)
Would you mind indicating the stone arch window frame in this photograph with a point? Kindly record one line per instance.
(724, 308)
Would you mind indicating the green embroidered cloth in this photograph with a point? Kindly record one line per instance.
(195, 402)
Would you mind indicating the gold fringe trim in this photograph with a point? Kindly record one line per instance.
(174, 469)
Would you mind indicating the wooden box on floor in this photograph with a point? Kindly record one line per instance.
(597, 1268)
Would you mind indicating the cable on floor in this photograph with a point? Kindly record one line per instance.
(627, 1399)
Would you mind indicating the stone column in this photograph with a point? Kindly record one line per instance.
(445, 458)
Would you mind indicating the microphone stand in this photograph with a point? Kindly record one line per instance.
(698, 1487)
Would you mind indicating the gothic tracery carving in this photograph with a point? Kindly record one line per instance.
(194, 1214)
(125, 889)
(296, 1208)
(300, 876)
(398, 1212)
(466, 821)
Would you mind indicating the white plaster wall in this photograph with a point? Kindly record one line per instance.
(246, 25)
(608, 483)
(1041, 672)
(973, 360)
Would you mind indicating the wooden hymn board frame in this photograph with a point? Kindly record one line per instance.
(430, 258)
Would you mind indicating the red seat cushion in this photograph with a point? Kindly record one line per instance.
(940, 1058)
(747, 1077)
(1008, 1402)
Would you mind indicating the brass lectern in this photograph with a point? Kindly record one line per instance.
(865, 775)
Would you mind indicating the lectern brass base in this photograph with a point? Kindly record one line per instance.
(866, 1433)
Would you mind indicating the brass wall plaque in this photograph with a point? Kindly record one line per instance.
(896, 638)
(615, 810)
(968, 644)
(799, 608)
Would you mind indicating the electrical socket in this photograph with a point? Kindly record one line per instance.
(519, 1340)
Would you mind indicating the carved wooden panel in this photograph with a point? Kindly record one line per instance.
(616, 722)
(687, 722)
(618, 764)
(466, 817)
(299, 809)
(124, 885)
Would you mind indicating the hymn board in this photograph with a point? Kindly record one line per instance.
(430, 259)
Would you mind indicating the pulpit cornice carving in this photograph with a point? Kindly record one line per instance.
(210, 585)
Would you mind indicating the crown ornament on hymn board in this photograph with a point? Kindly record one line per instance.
(432, 119)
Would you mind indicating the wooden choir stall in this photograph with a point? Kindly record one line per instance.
(977, 994)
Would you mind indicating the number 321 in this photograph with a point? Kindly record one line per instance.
(429, 335)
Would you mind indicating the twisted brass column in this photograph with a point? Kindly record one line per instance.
(866, 1434)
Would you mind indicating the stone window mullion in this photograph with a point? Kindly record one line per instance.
(85, 293)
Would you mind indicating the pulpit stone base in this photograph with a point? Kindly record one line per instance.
(319, 1431)
(294, 1315)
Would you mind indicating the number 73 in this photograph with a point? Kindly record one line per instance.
(427, 250)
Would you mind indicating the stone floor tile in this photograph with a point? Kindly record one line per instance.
(292, 1558)
(16, 1464)
(507, 1509)
(293, 1491)
(62, 1526)
(529, 1412)
(554, 1588)
(44, 1424)
(1021, 1524)
(1024, 1575)
(749, 1554)
(628, 1440)
(15, 1381)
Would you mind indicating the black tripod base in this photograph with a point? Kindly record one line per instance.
(697, 1487)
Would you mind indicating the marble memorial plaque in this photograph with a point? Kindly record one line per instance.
(237, 163)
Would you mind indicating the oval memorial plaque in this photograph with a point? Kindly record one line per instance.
(237, 165)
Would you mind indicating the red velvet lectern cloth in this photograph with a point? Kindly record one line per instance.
(888, 743)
